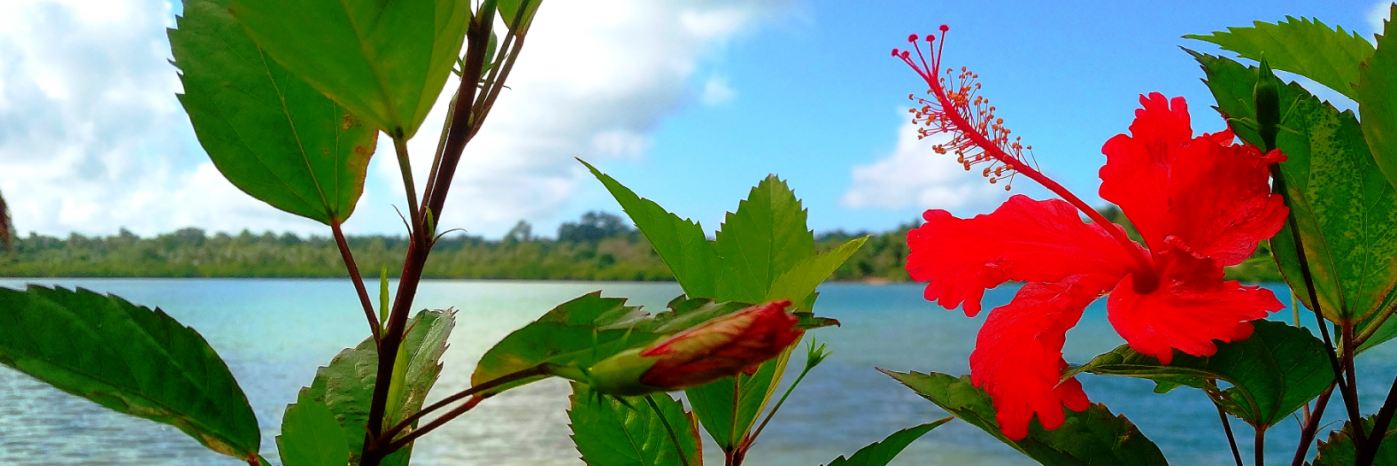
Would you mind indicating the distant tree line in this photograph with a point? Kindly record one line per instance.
(599, 246)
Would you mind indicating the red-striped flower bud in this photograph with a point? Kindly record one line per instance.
(722, 347)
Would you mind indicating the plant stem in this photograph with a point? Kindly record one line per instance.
(477, 36)
(1260, 446)
(672, 436)
(1307, 433)
(357, 278)
(1384, 419)
(1231, 440)
(438, 422)
(747, 442)
(541, 369)
(405, 166)
(1350, 390)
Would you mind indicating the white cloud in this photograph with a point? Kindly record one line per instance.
(1378, 14)
(914, 175)
(92, 137)
(594, 80)
(716, 91)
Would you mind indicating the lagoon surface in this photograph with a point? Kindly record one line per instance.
(274, 333)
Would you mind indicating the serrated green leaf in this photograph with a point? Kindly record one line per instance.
(681, 243)
(1302, 46)
(1346, 210)
(384, 61)
(1339, 451)
(1273, 373)
(1094, 436)
(1376, 94)
(346, 385)
(129, 359)
(801, 280)
(310, 435)
(763, 239)
(577, 333)
(271, 134)
(627, 432)
(881, 453)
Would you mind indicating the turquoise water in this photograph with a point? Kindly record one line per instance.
(273, 334)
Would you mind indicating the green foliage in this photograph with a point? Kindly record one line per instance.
(577, 333)
(129, 359)
(384, 61)
(271, 134)
(881, 453)
(509, 10)
(610, 431)
(311, 436)
(1094, 436)
(1345, 209)
(1303, 46)
(763, 252)
(1339, 450)
(1273, 373)
(1376, 94)
(346, 385)
(7, 226)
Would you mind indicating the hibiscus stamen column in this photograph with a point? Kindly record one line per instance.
(978, 137)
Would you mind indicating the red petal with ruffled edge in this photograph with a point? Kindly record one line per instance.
(1018, 354)
(1192, 307)
(1022, 240)
(1213, 196)
(1136, 174)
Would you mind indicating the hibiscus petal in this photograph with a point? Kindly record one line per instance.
(1220, 202)
(1212, 195)
(1018, 354)
(1191, 307)
(1136, 173)
(1022, 240)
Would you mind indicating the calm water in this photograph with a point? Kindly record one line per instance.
(273, 334)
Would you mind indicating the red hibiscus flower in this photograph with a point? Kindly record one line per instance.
(1199, 203)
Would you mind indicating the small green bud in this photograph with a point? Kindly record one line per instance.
(619, 374)
(1266, 99)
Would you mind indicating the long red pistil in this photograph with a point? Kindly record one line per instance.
(979, 137)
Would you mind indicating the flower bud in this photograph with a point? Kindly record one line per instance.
(722, 347)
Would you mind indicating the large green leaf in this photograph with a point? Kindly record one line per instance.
(1376, 93)
(1273, 373)
(271, 134)
(385, 61)
(627, 432)
(1303, 46)
(680, 242)
(1094, 436)
(763, 239)
(800, 281)
(310, 435)
(127, 358)
(881, 453)
(1346, 210)
(577, 333)
(346, 385)
(1339, 451)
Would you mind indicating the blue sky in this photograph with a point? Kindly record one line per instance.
(689, 103)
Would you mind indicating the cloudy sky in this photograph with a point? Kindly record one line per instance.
(689, 102)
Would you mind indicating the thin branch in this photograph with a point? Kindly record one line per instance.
(750, 438)
(1260, 446)
(1384, 419)
(1350, 390)
(405, 166)
(541, 369)
(438, 422)
(672, 436)
(1307, 433)
(1231, 440)
(357, 278)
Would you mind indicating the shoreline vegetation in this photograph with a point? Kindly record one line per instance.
(598, 247)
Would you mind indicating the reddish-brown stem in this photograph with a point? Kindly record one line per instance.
(1350, 389)
(1259, 447)
(1380, 424)
(1227, 429)
(438, 422)
(477, 36)
(542, 369)
(1307, 433)
(356, 277)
